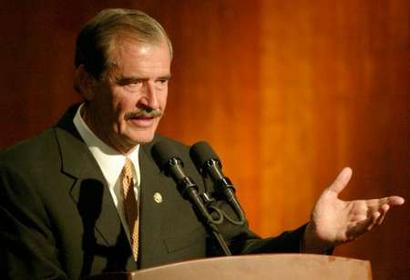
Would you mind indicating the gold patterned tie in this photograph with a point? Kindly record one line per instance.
(130, 206)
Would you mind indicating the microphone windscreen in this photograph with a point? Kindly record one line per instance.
(162, 152)
(201, 152)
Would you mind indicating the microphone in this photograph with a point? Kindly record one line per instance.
(168, 160)
(207, 162)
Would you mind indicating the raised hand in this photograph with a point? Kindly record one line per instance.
(335, 221)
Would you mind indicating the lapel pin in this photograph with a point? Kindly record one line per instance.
(157, 197)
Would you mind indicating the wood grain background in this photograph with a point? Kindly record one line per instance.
(287, 92)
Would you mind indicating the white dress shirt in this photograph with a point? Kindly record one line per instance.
(111, 163)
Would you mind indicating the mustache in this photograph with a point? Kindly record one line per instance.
(144, 112)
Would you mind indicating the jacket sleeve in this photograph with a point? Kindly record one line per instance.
(27, 245)
(287, 242)
(241, 240)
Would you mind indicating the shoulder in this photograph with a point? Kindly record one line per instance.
(32, 155)
(30, 151)
(40, 150)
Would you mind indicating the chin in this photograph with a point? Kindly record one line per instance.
(143, 139)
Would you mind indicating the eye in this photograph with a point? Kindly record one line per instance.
(162, 82)
(128, 81)
(135, 83)
(130, 84)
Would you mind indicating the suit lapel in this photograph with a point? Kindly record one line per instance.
(89, 190)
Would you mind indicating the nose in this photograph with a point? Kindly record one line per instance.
(149, 95)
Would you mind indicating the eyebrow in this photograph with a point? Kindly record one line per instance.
(128, 80)
(166, 77)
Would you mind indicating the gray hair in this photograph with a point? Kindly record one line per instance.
(99, 36)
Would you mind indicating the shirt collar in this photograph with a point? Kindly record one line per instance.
(109, 160)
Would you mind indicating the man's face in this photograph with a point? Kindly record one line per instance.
(121, 105)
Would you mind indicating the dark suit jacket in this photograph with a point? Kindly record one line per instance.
(58, 220)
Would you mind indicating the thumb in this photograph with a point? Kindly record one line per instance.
(341, 181)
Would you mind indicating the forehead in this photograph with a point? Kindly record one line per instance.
(132, 57)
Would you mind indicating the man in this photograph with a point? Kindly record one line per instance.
(86, 196)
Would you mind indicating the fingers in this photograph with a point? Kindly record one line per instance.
(382, 214)
(378, 208)
(366, 224)
(366, 215)
(388, 200)
(341, 181)
(395, 200)
(378, 215)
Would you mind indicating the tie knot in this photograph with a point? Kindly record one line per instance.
(128, 166)
(127, 170)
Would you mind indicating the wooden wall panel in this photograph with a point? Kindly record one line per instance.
(335, 78)
(214, 92)
(287, 92)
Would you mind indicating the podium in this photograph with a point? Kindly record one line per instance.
(251, 267)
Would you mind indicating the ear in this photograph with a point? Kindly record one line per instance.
(84, 83)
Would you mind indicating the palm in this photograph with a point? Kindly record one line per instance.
(335, 221)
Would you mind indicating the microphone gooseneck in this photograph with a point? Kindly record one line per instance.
(208, 163)
(168, 160)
